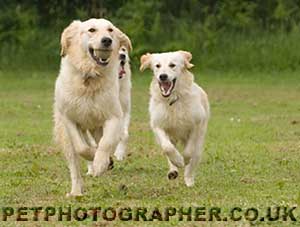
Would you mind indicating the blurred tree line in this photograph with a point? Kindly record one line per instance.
(196, 25)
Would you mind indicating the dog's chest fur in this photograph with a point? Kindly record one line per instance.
(177, 119)
(88, 106)
(87, 111)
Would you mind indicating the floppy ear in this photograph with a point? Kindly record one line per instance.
(124, 39)
(145, 61)
(67, 35)
(187, 58)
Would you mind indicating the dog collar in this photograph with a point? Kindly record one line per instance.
(172, 101)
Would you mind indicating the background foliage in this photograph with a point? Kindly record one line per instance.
(222, 34)
(247, 54)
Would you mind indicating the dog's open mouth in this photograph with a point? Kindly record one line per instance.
(122, 71)
(101, 57)
(167, 87)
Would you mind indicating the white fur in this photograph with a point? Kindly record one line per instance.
(87, 110)
(125, 99)
(181, 117)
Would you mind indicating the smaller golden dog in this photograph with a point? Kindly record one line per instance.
(179, 110)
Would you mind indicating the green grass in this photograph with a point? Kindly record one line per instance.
(251, 156)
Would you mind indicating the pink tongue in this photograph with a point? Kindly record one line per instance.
(166, 86)
(121, 72)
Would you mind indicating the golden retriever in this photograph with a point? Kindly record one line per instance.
(179, 110)
(88, 114)
(125, 99)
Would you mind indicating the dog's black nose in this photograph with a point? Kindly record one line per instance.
(163, 77)
(122, 56)
(106, 42)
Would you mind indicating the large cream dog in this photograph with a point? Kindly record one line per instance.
(87, 110)
(179, 110)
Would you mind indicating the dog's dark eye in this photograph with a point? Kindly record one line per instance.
(172, 65)
(157, 66)
(110, 30)
(92, 30)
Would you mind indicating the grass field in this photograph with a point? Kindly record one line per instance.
(251, 156)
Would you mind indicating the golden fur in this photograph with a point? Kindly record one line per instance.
(182, 116)
(88, 114)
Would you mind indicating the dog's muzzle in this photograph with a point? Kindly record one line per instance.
(166, 86)
(100, 56)
(122, 57)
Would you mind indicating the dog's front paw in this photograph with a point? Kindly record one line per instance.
(172, 175)
(76, 192)
(101, 163)
(77, 188)
(189, 181)
(74, 195)
(120, 152)
(90, 171)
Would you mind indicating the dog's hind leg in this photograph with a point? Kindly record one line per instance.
(192, 153)
(120, 153)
